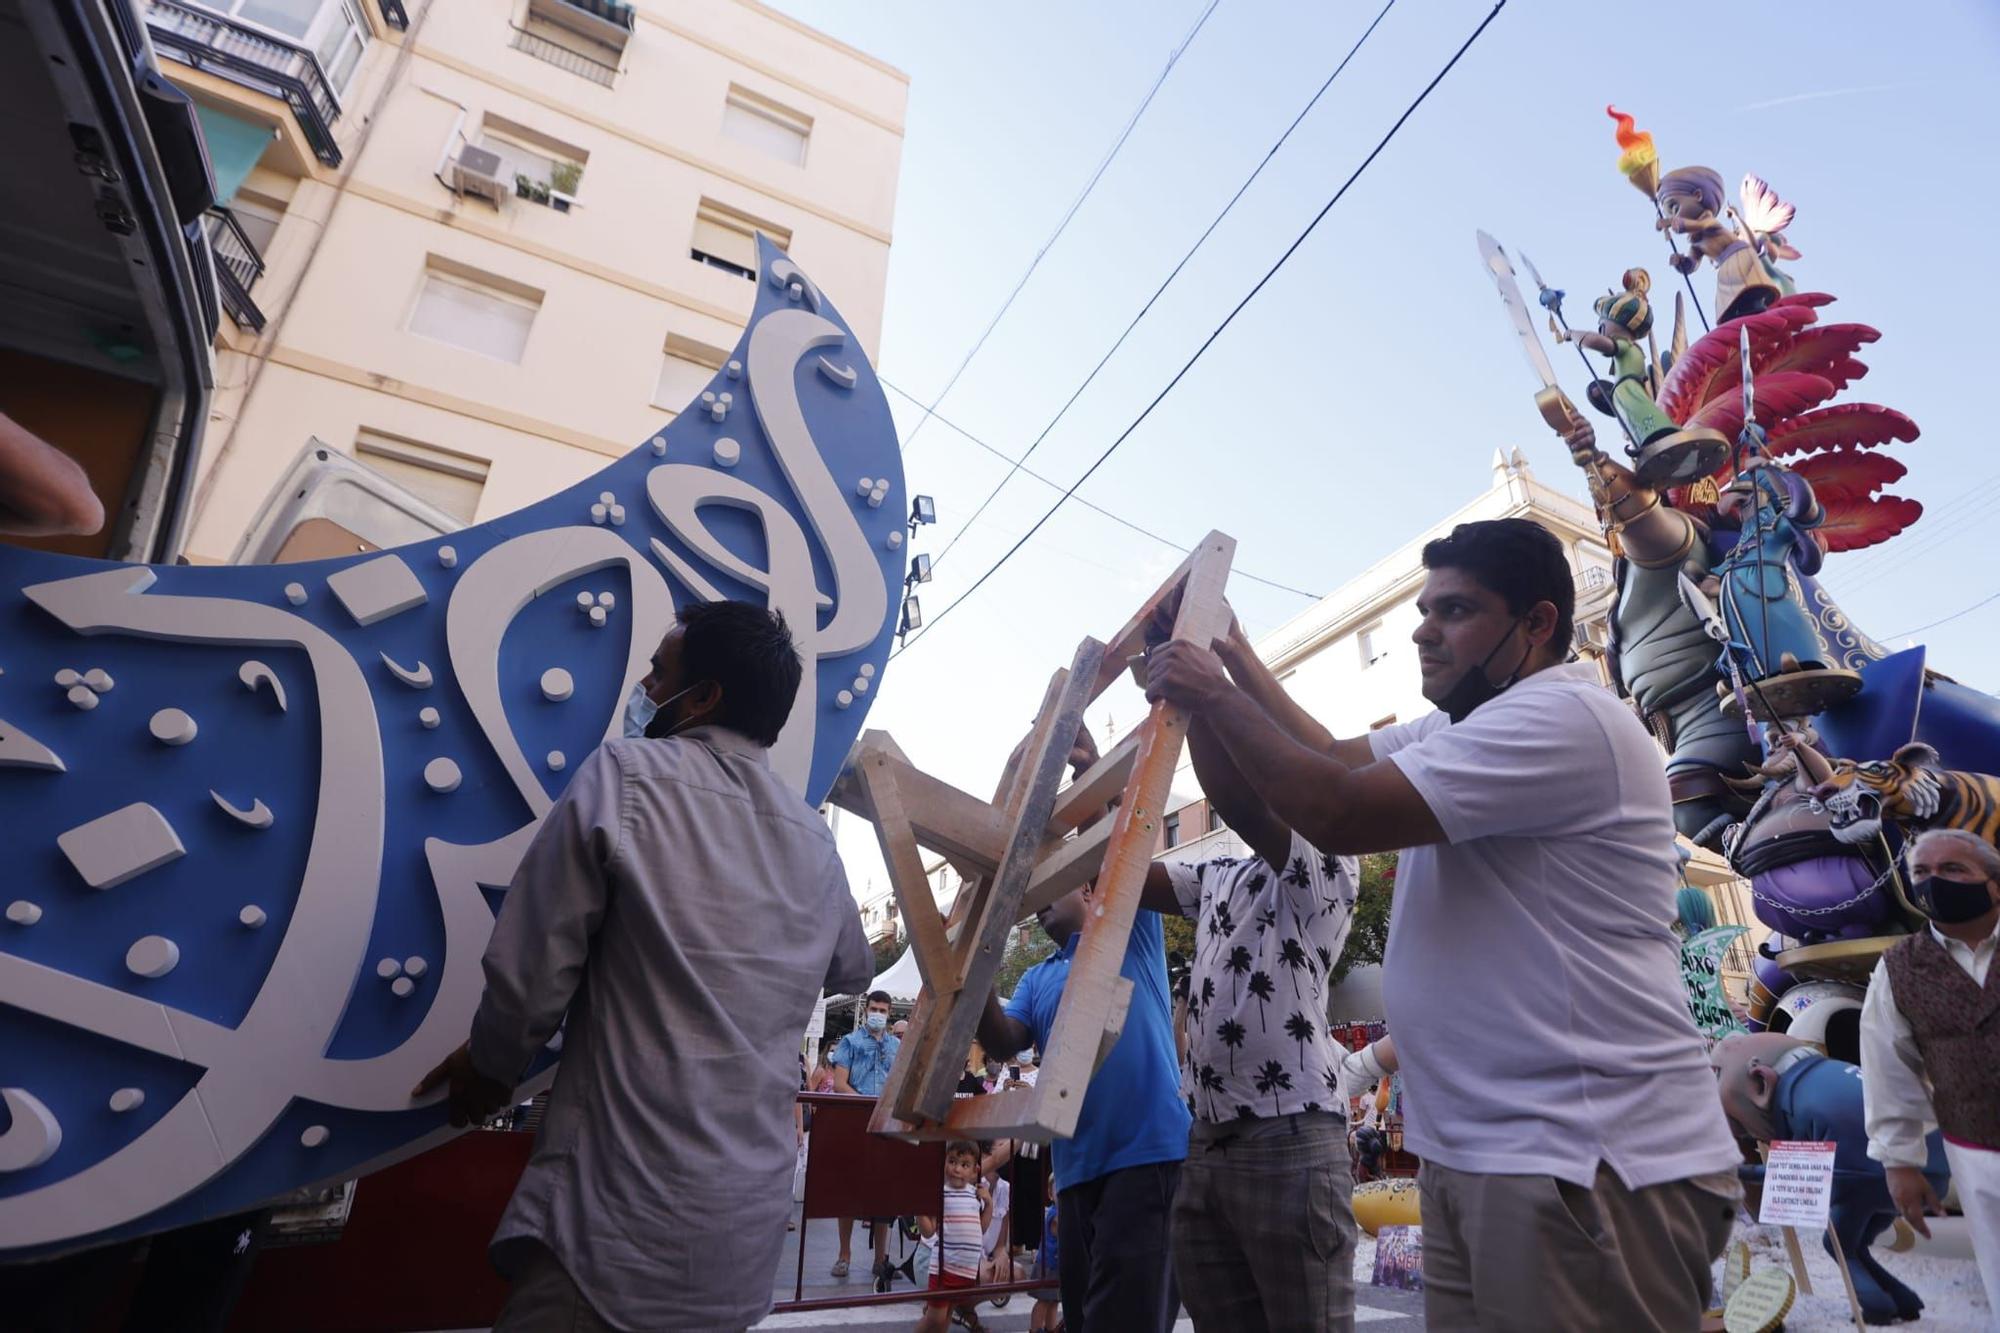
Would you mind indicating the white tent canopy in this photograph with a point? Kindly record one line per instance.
(902, 979)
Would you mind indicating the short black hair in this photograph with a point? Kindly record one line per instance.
(962, 1148)
(879, 997)
(748, 651)
(1520, 560)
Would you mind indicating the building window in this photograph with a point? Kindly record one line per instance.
(1382, 722)
(477, 311)
(766, 126)
(449, 481)
(686, 367)
(727, 239)
(1173, 829)
(259, 220)
(1215, 824)
(538, 168)
(333, 30)
(1369, 641)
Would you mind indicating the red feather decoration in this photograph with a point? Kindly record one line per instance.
(1808, 299)
(1849, 477)
(1712, 366)
(1778, 397)
(1867, 425)
(1865, 524)
(1820, 350)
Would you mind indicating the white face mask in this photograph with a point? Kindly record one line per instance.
(877, 1021)
(640, 709)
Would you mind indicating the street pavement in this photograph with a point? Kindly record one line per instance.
(1379, 1309)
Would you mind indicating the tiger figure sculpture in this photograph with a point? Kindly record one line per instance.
(1907, 789)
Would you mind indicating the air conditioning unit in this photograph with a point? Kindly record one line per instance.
(477, 171)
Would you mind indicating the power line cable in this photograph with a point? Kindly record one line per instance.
(1200, 241)
(1054, 485)
(1075, 204)
(1209, 341)
(1904, 634)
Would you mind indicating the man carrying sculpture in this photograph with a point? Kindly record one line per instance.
(661, 1176)
(1578, 1172)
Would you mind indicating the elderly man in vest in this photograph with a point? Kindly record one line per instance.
(1933, 1013)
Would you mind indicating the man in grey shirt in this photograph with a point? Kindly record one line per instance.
(685, 908)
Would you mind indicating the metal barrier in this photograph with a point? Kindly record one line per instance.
(541, 48)
(852, 1173)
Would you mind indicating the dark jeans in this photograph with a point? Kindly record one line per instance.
(1116, 1241)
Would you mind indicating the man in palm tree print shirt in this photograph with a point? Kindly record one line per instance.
(1263, 1222)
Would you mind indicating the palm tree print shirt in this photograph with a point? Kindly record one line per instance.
(1266, 938)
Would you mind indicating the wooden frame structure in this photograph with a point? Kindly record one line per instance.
(1019, 852)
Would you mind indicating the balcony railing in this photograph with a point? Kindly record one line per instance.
(541, 48)
(237, 268)
(256, 60)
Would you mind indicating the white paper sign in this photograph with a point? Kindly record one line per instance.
(1798, 1184)
(816, 1025)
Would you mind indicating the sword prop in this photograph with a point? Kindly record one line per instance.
(1696, 601)
(1555, 406)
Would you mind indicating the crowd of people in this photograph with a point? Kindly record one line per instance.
(1578, 1172)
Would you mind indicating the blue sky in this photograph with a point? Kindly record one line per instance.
(1361, 395)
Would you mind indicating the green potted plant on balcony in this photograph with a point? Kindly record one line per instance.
(527, 187)
(563, 180)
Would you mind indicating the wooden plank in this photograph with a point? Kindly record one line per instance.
(990, 922)
(1093, 789)
(1091, 995)
(906, 875)
(1074, 864)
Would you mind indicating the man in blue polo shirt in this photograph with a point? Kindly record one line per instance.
(860, 1063)
(1116, 1176)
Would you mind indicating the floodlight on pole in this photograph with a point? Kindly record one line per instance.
(913, 616)
(923, 510)
(920, 570)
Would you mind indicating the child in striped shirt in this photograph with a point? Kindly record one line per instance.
(959, 1227)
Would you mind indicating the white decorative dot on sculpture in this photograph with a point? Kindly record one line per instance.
(875, 499)
(597, 617)
(893, 540)
(728, 453)
(861, 684)
(557, 685)
(315, 1136)
(401, 987)
(844, 699)
(556, 761)
(388, 969)
(617, 516)
(98, 679)
(253, 917)
(599, 512)
(295, 593)
(152, 956)
(429, 717)
(608, 497)
(448, 557)
(172, 726)
(584, 601)
(415, 966)
(734, 370)
(864, 487)
(868, 670)
(113, 848)
(68, 678)
(23, 913)
(83, 697)
(608, 600)
(127, 1099)
(441, 775)
(659, 446)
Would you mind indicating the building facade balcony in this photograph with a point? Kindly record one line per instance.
(238, 265)
(204, 39)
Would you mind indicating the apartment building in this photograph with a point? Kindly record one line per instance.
(479, 246)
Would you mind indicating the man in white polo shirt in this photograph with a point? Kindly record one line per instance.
(1578, 1172)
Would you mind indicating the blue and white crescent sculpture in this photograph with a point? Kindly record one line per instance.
(257, 820)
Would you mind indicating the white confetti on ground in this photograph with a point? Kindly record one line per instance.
(1954, 1301)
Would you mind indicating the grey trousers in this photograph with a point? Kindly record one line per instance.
(1533, 1253)
(544, 1299)
(1264, 1230)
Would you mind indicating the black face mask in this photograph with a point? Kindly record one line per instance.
(1475, 687)
(1951, 901)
